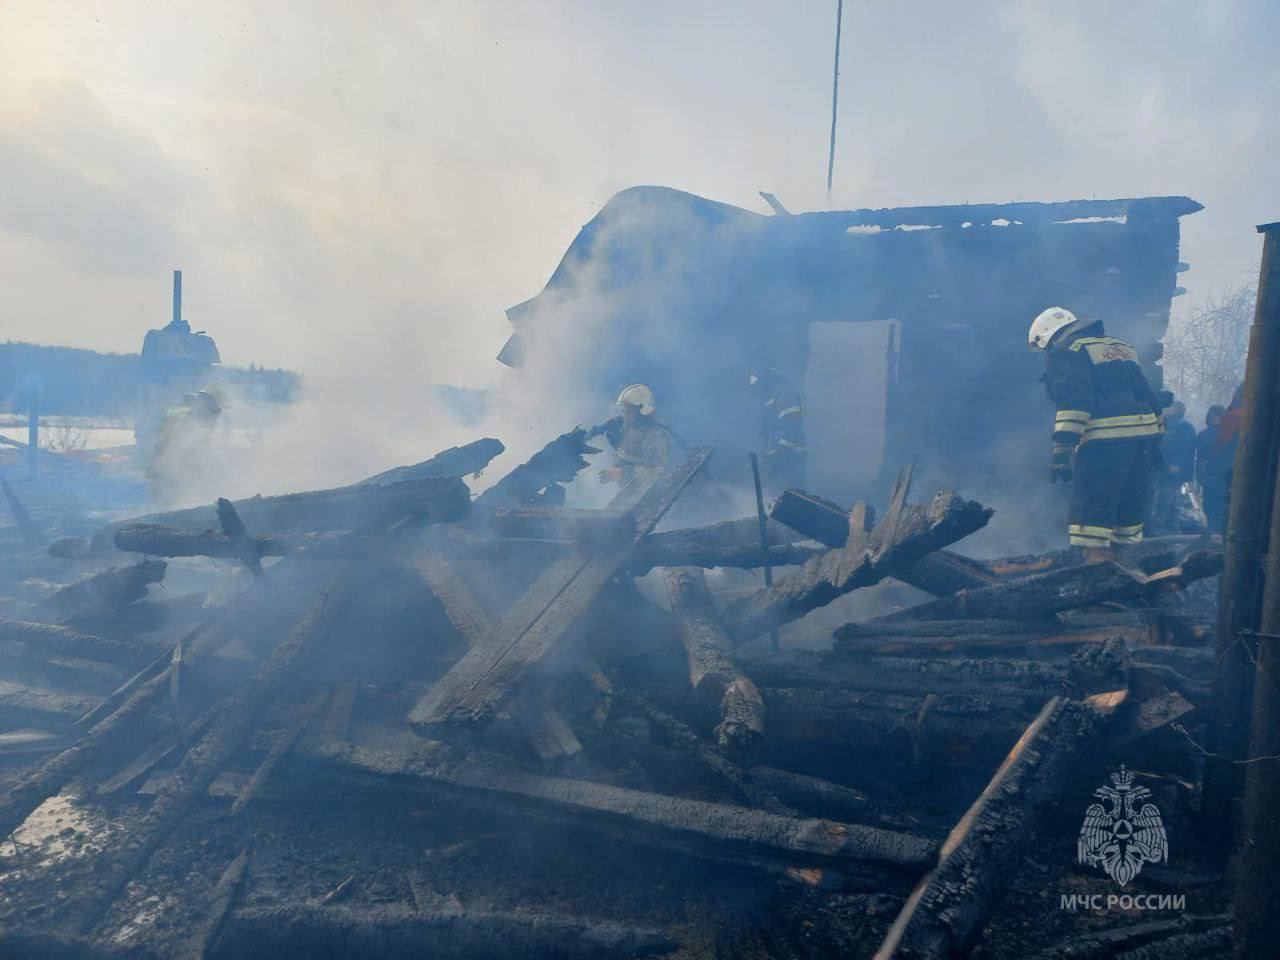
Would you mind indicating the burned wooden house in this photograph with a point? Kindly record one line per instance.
(904, 328)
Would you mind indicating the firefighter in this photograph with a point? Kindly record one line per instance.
(184, 439)
(1105, 431)
(781, 429)
(642, 445)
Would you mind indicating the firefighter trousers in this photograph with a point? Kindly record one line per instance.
(1109, 492)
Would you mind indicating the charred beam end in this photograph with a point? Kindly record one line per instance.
(558, 462)
(952, 902)
(714, 677)
(113, 587)
(915, 532)
(463, 461)
(155, 540)
(730, 543)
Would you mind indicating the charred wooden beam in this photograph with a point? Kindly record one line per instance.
(54, 639)
(435, 499)
(483, 680)
(205, 935)
(1151, 555)
(939, 573)
(465, 461)
(1067, 589)
(226, 734)
(246, 549)
(558, 462)
(552, 739)
(730, 543)
(157, 540)
(997, 677)
(559, 523)
(113, 587)
(899, 540)
(1035, 638)
(710, 828)
(952, 902)
(284, 743)
(445, 932)
(714, 677)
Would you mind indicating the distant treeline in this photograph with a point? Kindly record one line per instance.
(85, 383)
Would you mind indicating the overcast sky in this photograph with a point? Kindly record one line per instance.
(364, 187)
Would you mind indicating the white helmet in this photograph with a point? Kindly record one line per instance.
(1048, 325)
(638, 395)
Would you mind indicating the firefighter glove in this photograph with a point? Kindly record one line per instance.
(1060, 465)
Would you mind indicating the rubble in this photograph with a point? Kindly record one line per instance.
(485, 674)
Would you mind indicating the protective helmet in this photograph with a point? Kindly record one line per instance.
(216, 395)
(1049, 324)
(638, 395)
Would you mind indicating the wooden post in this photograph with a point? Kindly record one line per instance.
(1257, 923)
(1247, 525)
(764, 535)
(33, 428)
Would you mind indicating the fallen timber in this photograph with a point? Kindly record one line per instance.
(55, 639)
(941, 573)
(436, 499)
(558, 462)
(482, 680)
(443, 930)
(730, 543)
(465, 461)
(113, 587)
(995, 677)
(1034, 638)
(906, 534)
(709, 828)
(952, 902)
(1069, 588)
(715, 679)
(226, 734)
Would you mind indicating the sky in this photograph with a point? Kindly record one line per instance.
(360, 189)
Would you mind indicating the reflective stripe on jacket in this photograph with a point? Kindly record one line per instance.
(1100, 392)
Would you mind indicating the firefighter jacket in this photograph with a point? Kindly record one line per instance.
(645, 445)
(1100, 392)
(782, 425)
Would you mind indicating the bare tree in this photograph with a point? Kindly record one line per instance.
(1204, 353)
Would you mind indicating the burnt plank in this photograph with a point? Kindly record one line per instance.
(482, 680)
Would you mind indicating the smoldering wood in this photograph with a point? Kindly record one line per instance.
(153, 756)
(811, 794)
(864, 560)
(892, 725)
(55, 639)
(284, 743)
(998, 677)
(1069, 588)
(157, 540)
(951, 903)
(558, 462)
(113, 587)
(708, 827)
(224, 895)
(464, 461)
(483, 679)
(1108, 944)
(559, 523)
(730, 543)
(1149, 556)
(227, 733)
(552, 739)
(433, 499)
(939, 573)
(245, 548)
(715, 679)
(1035, 638)
(386, 930)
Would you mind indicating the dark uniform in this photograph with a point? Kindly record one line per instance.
(781, 432)
(1109, 416)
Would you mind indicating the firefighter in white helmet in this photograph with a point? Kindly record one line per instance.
(641, 444)
(1104, 432)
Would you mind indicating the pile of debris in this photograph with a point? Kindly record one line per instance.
(392, 717)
